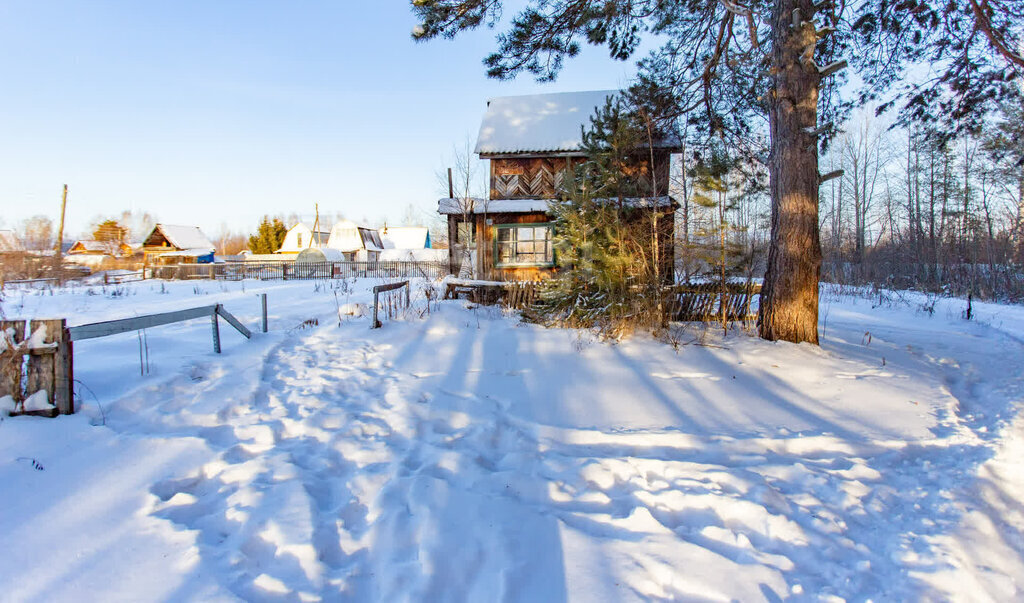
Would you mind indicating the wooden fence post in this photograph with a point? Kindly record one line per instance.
(263, 297)
(216, 331)
(376, 323)
(11, 360)
(64, 372)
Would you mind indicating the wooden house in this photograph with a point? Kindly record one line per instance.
(532, 143)
(301, 237)
(405, 237)
(356, 243)
(100, 248)
(174, 244)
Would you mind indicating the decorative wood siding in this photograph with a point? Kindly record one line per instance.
(542, 177)
(534, 178)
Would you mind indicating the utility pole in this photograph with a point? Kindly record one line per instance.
(58, 256)
(316, 226)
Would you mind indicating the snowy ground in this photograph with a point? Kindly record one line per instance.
(464, 455)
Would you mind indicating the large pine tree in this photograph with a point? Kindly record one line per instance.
(732, 64)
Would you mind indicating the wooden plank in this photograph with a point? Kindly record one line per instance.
(390, 286)
(233, 321)
(63, 373)
(11, 359)
(113, 327)
(41, 371)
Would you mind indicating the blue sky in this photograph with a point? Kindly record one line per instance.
(212, 112)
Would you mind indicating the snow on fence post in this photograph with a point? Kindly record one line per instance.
(13, 333)
(48, 370)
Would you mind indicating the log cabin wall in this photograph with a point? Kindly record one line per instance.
(542, 177)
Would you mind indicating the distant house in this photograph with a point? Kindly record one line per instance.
(405, 237)
(532, 143)
(111, 248)
(9, 242)
(356, 243)
(174, 244)
(301, 237)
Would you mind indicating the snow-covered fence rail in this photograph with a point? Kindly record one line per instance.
(391, 303)
(42, 384)
(291, 270)
(135, 323)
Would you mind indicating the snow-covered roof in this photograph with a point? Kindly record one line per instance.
(539, 123)
(183, 237)
(319, 254)
(347, 236)
(303, 227)
(291, 242)
(475, 205)
(414, 255)
(405, 237)
(9, 241)
(99, 246)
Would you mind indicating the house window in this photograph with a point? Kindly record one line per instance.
(523, 245)
(299, 235)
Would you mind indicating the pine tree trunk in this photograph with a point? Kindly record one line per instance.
(789, 299)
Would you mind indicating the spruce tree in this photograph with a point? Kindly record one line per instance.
(269, 236)
(608, 274)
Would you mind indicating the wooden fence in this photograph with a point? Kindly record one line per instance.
(135, 323)
(288, 270)
(48, 345)
(709, 301)
(391, 305)
(48, 349)
(513, 294)
(696, 302)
